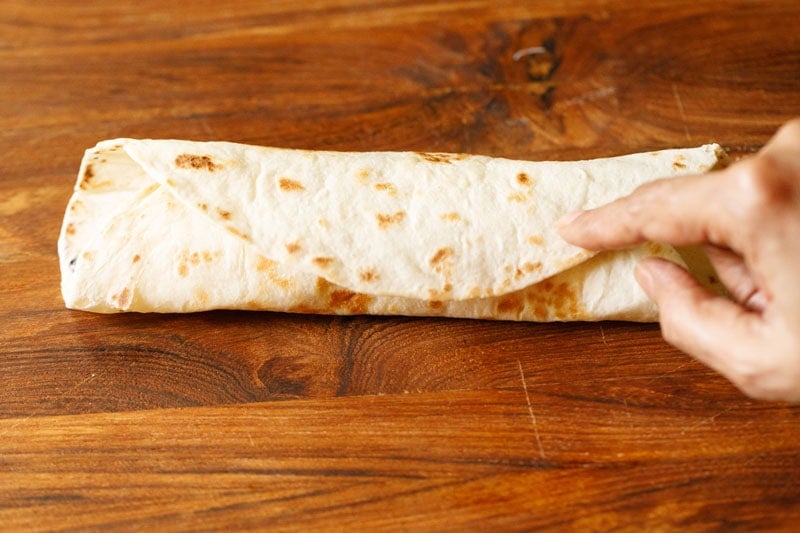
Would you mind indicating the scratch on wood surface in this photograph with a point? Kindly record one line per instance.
(628, 412)
(706, 420)
(530, 410)
(598, 94)
(72, 389)
(681, 111)
(603, 335)
(672, 371)
(206, 127)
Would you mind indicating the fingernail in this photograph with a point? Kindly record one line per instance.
(569, 218)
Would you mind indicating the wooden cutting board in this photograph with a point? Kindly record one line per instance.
(236, 420)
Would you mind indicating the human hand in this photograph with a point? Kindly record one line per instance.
(748, 219)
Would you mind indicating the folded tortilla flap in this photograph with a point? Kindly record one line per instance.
(178, 226)
(416, 225)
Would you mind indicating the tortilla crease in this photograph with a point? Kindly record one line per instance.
(179, 226)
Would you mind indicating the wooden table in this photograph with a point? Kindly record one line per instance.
(237, 420)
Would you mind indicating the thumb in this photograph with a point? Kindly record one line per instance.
(709, 327)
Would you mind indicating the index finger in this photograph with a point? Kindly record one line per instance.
(681, 211)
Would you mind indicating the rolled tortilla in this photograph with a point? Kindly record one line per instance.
(181, 226)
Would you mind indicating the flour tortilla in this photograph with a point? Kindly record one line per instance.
(180, 226)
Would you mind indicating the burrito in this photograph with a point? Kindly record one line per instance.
(172, 226)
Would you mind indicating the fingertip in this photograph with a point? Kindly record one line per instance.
(644, 277)
(568, 219)
(692, 318)
(570, 231)
(655, 273)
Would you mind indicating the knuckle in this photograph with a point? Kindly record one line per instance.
(761, 186)
(752, 381)
(767, 378)
(653, 190)
(791, 128)
(640, 204)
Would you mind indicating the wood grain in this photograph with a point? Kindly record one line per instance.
(235, 420)
(479, 459)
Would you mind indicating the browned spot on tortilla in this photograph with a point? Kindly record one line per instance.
(197, 162)
(386, 187)
(385, 220)
(74, 206)
(324, 223)
(88, 174)
(195, 258)
(451, 217)
(264, 264)
(293, 247)
(441, 255)
(268, 266)
(183, 270)
(518, 273)
(353, 302)
(512, 304)
(123, 299)
(290, 185)
(322, 262)
(516, 197)
(440, 157)
(224, 215)
(555, 299)
(363, 175)
(524, 179)
(368, 275)
(444, 294)
(436, 305)
(567, 302)
(208, 256)
(171, 182)
(88, 256)
(323, 286)
(202, 206)
(137, 258)
(238, 233)
(88, 179)
(535, 240)
(201, 296)
(532, 267)
(678, 164)
(474, 292)
(70, 229)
